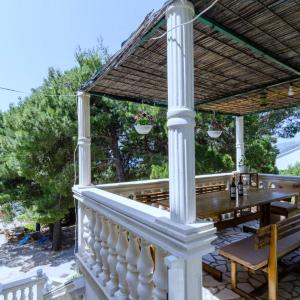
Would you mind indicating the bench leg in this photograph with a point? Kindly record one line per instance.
(233, 274)
(272, 265)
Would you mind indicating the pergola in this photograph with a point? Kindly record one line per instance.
(240, 57)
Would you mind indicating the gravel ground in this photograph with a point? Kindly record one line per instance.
(19, 261)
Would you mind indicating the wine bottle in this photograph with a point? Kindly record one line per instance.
(233, 189)
(240, 187)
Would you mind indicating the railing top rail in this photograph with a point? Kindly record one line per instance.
(156, 182)
(150, 223)
(280, 177)
(22, 282)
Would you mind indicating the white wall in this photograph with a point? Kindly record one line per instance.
(290, 159)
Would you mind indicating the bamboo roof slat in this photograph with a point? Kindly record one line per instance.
(242, 48)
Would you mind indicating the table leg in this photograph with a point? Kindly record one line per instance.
(266, 215)
(216, 274)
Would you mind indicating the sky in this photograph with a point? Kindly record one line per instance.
(38, 34)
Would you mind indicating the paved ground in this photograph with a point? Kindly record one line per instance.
(19, 261)
(289, 287)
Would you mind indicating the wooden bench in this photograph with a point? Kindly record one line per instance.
(283, 208)
(262, 251)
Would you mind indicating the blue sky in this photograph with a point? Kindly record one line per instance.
(37, 34)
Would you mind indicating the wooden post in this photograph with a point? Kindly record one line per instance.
(233, 274)
(181, 115)
(272, 264)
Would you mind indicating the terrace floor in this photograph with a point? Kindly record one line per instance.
(289, 286)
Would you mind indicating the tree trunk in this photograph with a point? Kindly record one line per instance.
(57, 236)
(51, 231)
(37, 227)
(117, 159)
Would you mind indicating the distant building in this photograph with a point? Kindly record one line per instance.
(289, 155)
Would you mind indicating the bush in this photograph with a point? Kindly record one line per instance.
(293, 171)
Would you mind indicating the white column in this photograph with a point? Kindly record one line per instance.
(240, 147)
(84, 138)
(181, 115)
(185, 278)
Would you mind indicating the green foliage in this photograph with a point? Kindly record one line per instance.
(292, 171)
(7, 213)
(38, 138)
(159, 171)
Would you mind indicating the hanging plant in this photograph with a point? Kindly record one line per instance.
(214, 129)
(143, 122)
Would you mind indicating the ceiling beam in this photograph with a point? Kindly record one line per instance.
(256, 49)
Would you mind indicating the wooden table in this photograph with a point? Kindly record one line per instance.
(217, 203)
(212, 205)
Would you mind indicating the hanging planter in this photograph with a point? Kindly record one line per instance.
(143, 123)
(214, 130)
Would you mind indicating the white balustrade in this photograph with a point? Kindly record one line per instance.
(28, 288)
(160, 276)
(104, 276)
(125, 243)
(132, 271)
(91, 239)
(97, 245)
(131, 189)
(122, 246)
(117, 235)
(112, 284)
(145, 267)
(85, 234)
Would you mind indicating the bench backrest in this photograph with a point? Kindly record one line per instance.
(282, 229)
(153, 197)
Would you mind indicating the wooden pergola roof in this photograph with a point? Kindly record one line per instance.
(243, 50)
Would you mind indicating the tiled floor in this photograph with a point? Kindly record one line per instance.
(289, 287)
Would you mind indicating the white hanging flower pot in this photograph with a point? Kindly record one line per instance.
(143, 129)
(143, 122)
(214, 130)
(214, 133)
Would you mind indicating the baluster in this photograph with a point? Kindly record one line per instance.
(91, 239)
(14, 295)
(121, 248)
(132, 255)
(112, 285)
(85, 235)
(22, 297)
(30, 292)
(97, 245)
(5, 295)
(145, 266)
(104, 276)
(160, 276)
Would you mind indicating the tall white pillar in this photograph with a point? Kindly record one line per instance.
(84, 138)
(240, 146)
(181, 115)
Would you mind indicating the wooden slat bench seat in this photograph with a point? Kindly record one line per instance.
(283, 208)
(261, 252)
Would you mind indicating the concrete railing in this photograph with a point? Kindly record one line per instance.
(131, 250)
(30, 288)
(134, 188)
(280, 181)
